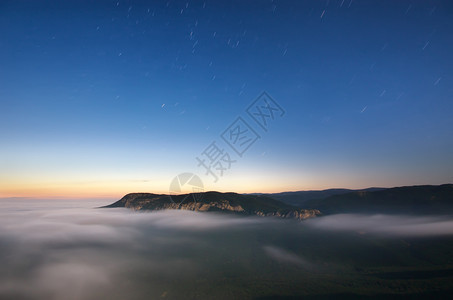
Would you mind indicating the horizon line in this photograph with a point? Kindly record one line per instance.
(59, 197)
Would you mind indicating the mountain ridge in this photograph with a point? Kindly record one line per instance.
(239, 204)
(297, 198)
(417, 200)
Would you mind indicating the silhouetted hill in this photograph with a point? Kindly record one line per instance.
(424, 199)
(215, 201)
(300, 197)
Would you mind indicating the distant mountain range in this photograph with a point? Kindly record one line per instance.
(420, 200)
(300, 197)
(217, 202)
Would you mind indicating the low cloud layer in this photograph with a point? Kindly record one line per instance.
(389, 225)
(71, 250)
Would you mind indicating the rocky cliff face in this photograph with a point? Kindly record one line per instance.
(218, 202)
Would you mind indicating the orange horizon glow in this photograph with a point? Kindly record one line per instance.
(115, 187)
(116, 191)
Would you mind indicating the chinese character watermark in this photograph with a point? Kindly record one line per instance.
(264, 109)
(215, 161)
(239, 136)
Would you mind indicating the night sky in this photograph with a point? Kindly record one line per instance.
(102, 98)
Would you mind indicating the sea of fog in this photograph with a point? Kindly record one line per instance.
(52, 249)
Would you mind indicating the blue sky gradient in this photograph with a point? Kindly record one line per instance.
(101, 98)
